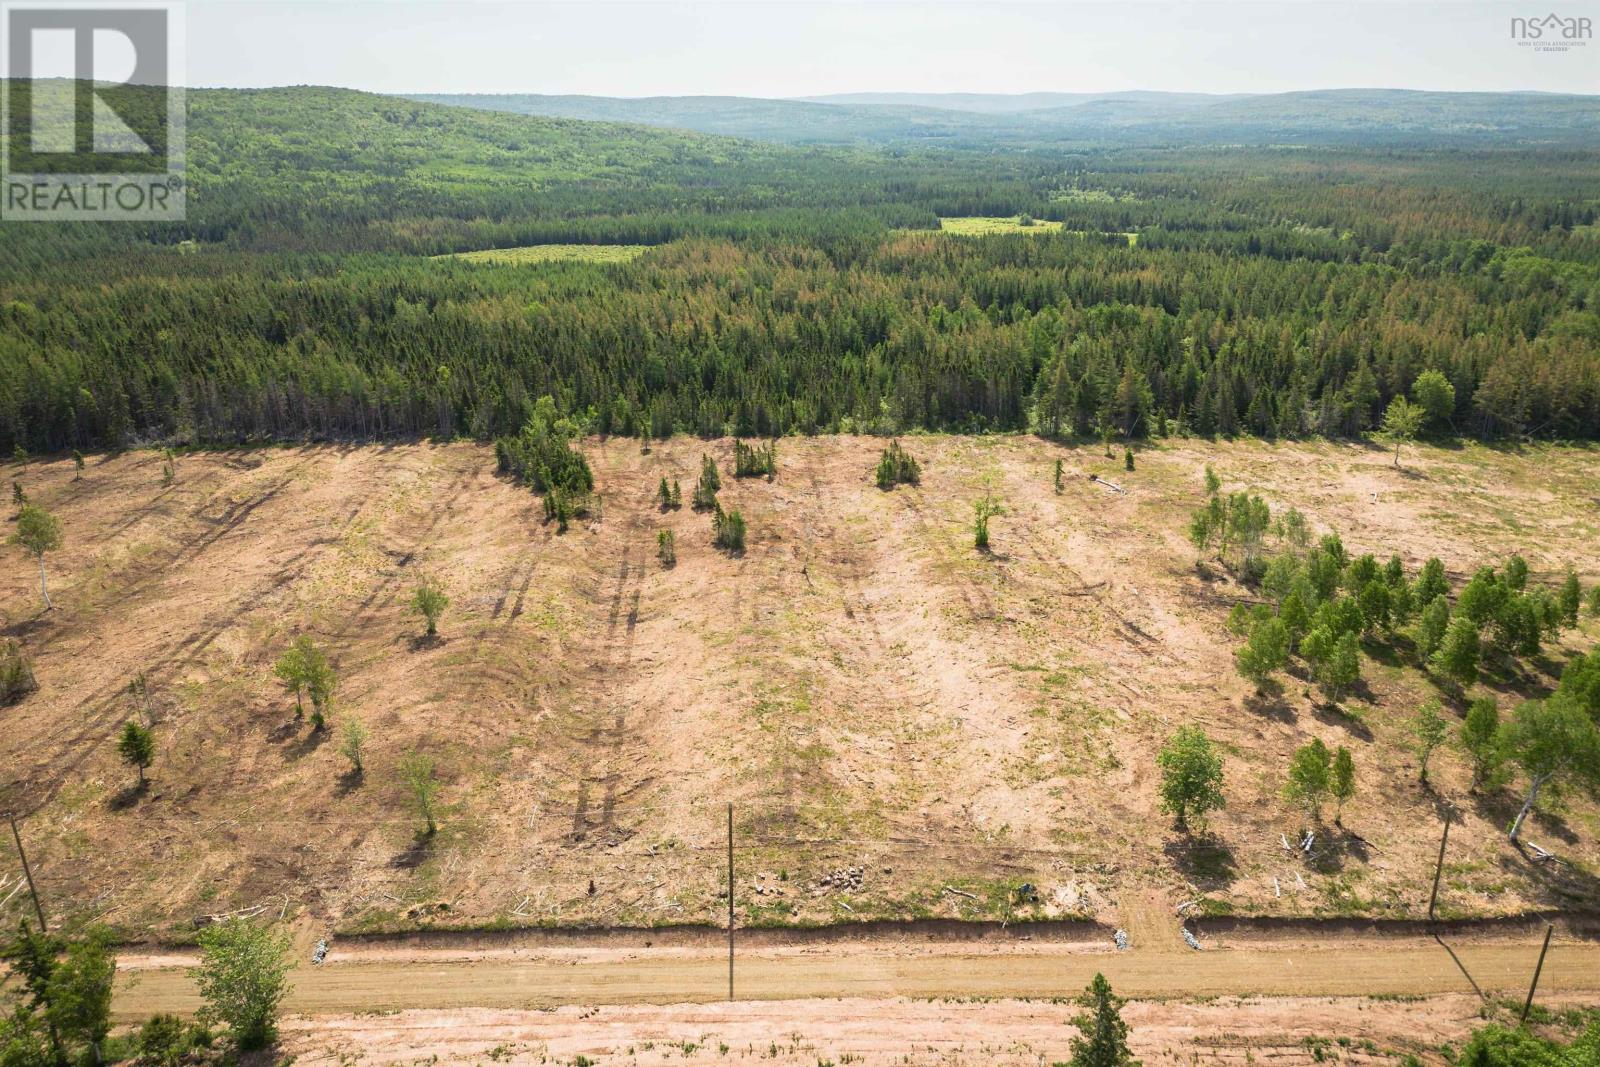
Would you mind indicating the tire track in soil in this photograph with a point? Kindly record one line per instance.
(851, 569)
(106, 714)
(979, 600)
(611, 742)
(38, 786)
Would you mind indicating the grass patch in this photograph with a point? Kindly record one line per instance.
(983, 226)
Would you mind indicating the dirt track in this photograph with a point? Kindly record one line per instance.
(545, 978)
(1285, 1032)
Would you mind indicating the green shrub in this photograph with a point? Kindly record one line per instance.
(16, 674)
(897, 467)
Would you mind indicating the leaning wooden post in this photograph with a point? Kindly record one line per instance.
(1527, 1005)
(1438, 869)
(27, 873)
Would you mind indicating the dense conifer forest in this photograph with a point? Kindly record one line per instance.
(1273, 291)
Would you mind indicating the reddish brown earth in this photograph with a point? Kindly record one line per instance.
(864, 687)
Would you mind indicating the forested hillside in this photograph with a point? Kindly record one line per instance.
(981, 121)
(1270, 291)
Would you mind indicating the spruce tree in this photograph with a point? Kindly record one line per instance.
(1103, 1036)
(137, 747)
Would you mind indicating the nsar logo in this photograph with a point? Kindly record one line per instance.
(1552, 33)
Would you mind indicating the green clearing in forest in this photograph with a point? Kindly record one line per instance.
(553, 253)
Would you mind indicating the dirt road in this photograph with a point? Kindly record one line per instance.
(1225, 1032)
(542, 978)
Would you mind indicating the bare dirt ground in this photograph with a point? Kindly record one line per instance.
(896, 1033)
(865, 688)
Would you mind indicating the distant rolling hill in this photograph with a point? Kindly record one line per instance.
(976, 120)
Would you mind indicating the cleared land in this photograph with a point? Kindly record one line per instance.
(554, 253)
(866, 689)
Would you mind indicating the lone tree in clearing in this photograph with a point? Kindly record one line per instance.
(1310, 778)
(667, 547)
(1429, 729)
(39, 532)
(291, 669)
(77, 465)
(137, 746)
(353, 744)
(1342, 782)
(304, 669)
(429, 602)
(1103, 1040)
(984, 510)
(416, 771)
(18, 496)
(242, 977)
(1056, 477)
(321, 682)
(1401, 423)
(1191, 776)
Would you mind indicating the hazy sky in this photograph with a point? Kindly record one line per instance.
(792, 49)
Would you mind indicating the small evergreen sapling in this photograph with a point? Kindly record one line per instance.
(1103, 1036)
(137, 747)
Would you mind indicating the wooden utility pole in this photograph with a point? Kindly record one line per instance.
(27, 872)
(730, 901)
(1438, 869)
(1527, 1005)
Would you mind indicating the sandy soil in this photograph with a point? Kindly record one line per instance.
(863, 687)
(1007, 1033)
